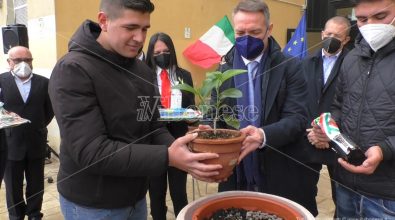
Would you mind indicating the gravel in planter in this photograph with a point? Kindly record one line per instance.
(241, 214)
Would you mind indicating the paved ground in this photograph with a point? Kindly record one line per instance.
(51, 207)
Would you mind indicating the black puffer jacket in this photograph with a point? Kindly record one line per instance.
(111, 138)
(364, 108)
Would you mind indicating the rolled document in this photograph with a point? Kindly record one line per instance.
(343, 146)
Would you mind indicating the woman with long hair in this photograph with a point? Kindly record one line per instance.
(161, 57)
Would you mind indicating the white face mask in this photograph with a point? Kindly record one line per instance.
(378, 35)
(22, 70)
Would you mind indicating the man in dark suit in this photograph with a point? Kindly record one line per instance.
(272, 110)
(321, 72)
(26, 94)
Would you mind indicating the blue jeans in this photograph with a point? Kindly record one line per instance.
(351, 205)
(72, 211)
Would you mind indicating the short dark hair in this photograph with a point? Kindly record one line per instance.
(254, 6)
(166, 39)
(342, 21)
(113, 7)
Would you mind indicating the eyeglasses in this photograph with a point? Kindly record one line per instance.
(19, 60)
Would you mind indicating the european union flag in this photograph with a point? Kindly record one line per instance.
(297, 46)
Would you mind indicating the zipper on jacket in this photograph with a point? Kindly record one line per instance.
(363, 97)
(354, 177)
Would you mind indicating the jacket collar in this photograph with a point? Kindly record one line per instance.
(14, 88)
(364, 50)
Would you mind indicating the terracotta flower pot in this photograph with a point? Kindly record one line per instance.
(251, 201)
(228, 150)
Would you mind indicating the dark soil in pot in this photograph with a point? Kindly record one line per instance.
(241, 214)
(219, 134)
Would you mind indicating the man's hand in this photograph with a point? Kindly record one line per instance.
(204, 127)
(313, 139)
(317, 137)
(254, 139)
(182, 158)
(374, 156)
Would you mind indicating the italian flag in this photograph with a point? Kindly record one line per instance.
(215, 43)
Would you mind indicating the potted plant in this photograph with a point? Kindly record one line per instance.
(226, 142)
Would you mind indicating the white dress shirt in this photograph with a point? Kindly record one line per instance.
(328, 62)
(246, 62)
(176, 95)
(23, 86)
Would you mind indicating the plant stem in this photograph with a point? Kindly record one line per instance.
(217, 104)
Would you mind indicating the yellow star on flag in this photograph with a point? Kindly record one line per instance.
(289, 49)
(302, 39)
(295, 42)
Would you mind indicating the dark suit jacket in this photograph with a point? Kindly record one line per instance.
(320, 99)
(179, 128)
(27, 140)
(283, 116)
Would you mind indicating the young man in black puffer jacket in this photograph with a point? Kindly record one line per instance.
(103, 99)
(364, 109)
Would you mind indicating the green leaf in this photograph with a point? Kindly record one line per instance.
(212, 82)
(204, 109)
(231, 93)
(232, 121)
(186, 87)
(214, 74)
(208, 85)
(231, 73)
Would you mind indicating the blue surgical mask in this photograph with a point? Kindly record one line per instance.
(249, 47)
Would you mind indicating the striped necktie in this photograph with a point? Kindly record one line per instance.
(252, 68)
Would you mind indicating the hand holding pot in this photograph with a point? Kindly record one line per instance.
(254, 139)
(182, 158)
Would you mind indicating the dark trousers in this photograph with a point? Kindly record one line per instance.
(310, 174)
(331, 171)
(178, 193)
(33, 171)
(3, 161)
(3, 155)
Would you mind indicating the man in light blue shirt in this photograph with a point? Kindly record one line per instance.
(321, 72)
(26, 94)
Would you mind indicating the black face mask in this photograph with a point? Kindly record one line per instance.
(331, 44)
(162, 60)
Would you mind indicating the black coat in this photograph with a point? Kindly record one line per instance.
(364, 108)
(283, 118)
(27, 140)
(112, 140)
(320, 99)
